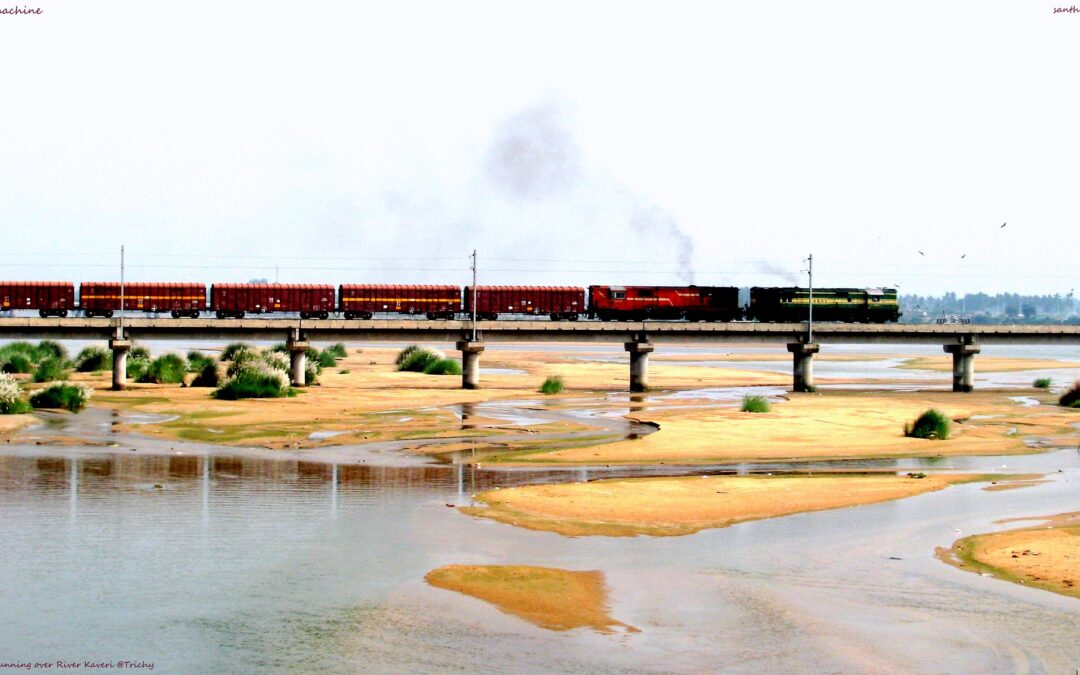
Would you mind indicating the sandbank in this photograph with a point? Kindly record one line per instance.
(672, 506)
(551, 598)
(1045, 556)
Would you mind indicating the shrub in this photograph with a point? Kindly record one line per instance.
(344, 371)
(1042, 383)
(11, 402)
(51, 369)
(240, 359)
(62, 395)
(338, 350)
(165, 369)
(139, 352)
(137, 368)
(755, 404)
(327, 359)
(418, 360)
(405, 354)
(93, 359)
(233, 349)
(280, 348)
(552, 385)
(207, 377)
(1071, 398)
(17, 363)
(196, 361)
(931, 424)
(256, 380)
(443, 367)
(277, 361)
(50, 348)
(311, 373)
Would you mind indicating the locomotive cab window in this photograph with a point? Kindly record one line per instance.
(617, 295)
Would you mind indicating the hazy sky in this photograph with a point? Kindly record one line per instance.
(569, 142)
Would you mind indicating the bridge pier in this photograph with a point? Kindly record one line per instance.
(297, 360)
(120, 348)
(963, 366)
(639, 364)
(803, 367)
(470, 363)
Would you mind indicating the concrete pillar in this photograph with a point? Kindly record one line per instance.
(963, 366)
(803, 370)
(298, 361)
(119, 349)
(470, 363)
(639, 365)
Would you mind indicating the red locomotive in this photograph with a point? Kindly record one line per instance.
(235, 300)
(50, 298)
(363, 300)
(102, 298)
(558, 302)
(694, 303)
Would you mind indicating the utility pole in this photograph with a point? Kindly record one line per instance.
(810, 274)
(121, 290)
(474, 295)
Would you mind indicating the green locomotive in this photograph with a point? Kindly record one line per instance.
(857, 305)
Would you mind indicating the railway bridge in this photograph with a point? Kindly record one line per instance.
(640, 338)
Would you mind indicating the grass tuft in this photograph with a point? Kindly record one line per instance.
(51, 369)
(932, 424)
(417, 359)
(165, 369)
(755, 404)
(72, 397)
(256, 380)
(443, 367)
(338, 350)
(1071, 398)
(207, 377)
(139, 352)
(93, 359)
(1042, 383)
(552, 385)
(48, 348)
(11, 401)
(233, 349)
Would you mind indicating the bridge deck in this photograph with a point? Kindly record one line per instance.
(532, 331)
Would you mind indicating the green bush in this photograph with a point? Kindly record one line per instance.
(312, 370)
(280, 348)
(17, 363)
(207, 377)
(197, 361)
(405, 354)
(93, 359)
(11, 401)
(931, 424)
(552, 385)
(165, 369)
(51, 369)
(233, 349)
(327, 359)
(1071, 398)
(443, 367)
(73, 397)
(137, 368)
(755, 404)
(255, 381)
(50, 348)
(338, 350)
(277, 361)
(418, 360)
(241, 359)
(139, 352)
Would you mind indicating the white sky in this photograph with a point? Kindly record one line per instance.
(570, 142)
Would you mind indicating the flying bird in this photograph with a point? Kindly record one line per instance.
(1004, 224)
(921, 253)
(963, 256)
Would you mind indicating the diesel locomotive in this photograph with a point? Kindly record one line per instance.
(363, 301)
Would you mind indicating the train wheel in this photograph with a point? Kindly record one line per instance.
(62, 313)
(175, 314)
(108, 314)
(324, 315)
(43, 313)
(239, 315)
(572, 317)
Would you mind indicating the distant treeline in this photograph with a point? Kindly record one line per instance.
(984, 308)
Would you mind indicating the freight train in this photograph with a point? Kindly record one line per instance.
(363, 301)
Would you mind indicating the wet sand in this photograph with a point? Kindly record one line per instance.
(1046, 555)
(11, 423)
(985, 364)
(551, 598)
(684, 505)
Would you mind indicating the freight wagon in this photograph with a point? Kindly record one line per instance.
(50, 298)
(102, 298)
(558, 302)
(860, 305)
(361, 301)
(637, 303)
(235, 300)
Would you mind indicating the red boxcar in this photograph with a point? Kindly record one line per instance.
(102, 298)
(234, 300)
(363, 300)
(558, 302)
(696, 303)
(48, 297)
